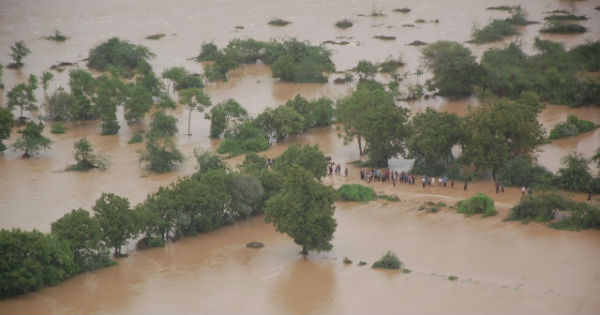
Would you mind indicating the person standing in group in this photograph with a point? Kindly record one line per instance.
(465, 187)
(452, 183)
(497, 187)
(346, 172)
(522, 190)
(502, 187)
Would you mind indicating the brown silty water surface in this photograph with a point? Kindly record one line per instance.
(501, 267)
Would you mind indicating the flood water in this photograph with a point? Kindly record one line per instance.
(502, 267)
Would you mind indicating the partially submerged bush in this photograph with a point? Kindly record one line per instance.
(521, 172)
(58, 127)
(279, 22)
(388, 261)
(136, 138)
(86, 158)
(572, 127)
(156, 36)
(479, 203)
(246, 138)
(392, 198)
(402, 10)
(347, 261)
(345, 23)
(562, 27)
(565, 17)
(492, 32)
(355, 192)
(57, 37)
(118, 53)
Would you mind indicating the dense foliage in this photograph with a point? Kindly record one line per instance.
(388, 261)
(247, 137)
(479, 203)
(355, 192)
(83, 152)
(118, 53)
(6, 123)
(572, 127)
(31, 140)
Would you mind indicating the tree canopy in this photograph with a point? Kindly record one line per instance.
(31, 140)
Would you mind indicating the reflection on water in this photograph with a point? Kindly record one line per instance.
(502, 267)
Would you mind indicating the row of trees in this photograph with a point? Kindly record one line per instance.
(290, 195)
(557, 75)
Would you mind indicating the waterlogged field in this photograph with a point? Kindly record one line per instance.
(501, 267)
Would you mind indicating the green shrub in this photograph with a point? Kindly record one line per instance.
(565, 17)
(502, 8)
(118, 53)
(521, 172)
(345, 23)
(347, 261)
(362, 263)
(208, 52)
(452, 278)
(479, 203)
(388, 261)
(492, 32)
(538, 208)
(393, 198)
(355, 192)
(149, 242)
(402, 10)
(136, 138)
(581, 217)
(279, 22)
(58, 127)
(57, 37)
(561, 27)
(572, 127)
(246, 138)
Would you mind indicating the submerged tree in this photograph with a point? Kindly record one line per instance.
(86, 158)
(22, 96)
(18, 51)
(137, 104)
(194, 98)
(161, 155)
(31, 140)
(6, 123)
(304, 211)
(83, 86)
(111, 93)
(575, 175)
(225, 117)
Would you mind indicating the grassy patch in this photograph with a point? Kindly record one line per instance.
(347, 261)
(492, 32)
(479, 203)
(406, 270)
(58, 127)
(362, 263)
(452, 278)
(345, 23)
(420, 21)
(565, 17)
(502, 8)
(156, 36)
(562, 27)
(402, 10)
(388, 261)
(390, 65)
(355, 192)
(278, 22)
(392, 198)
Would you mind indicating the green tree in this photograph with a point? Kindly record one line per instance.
(595, 157)
(86, 158)
(118, 53)
(6, 123)
(225, 117)
(308, 157)
(280, 122)
(161, 154)
(111, 93)
(209, 161)
(304, 211)
(575, 175)
(157, 214)
(22, 96)
(194, 98)
(284, 68)
(32, 260)
(31, 140)
(83, 86)
(46, 78)
(18, 51)
(454, 68)
(246, 194)
(316, 113)
(84, 235)
(116, 220)
(365, 70)
(501, 130)
(59, 105)
(370, 114)
(432, 138)
(148, 80)
(137, 104)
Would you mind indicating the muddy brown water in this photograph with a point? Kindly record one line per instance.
(501, 267)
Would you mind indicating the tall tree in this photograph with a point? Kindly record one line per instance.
(500, 130)
(225, 117)
(18, 51)
(6, 124)
(365, 70)
(22, 95)
(116, 220)
(83, 86)
(454, 68)
(432, 138)
(308, 157)
(84, 234)
(280, 122)
(83, 152)
(575, 175)
(194, 99)
(161, 154)
(137, 104)
(46, 78)
(304, 211)
(370, 115)
(31, 140)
